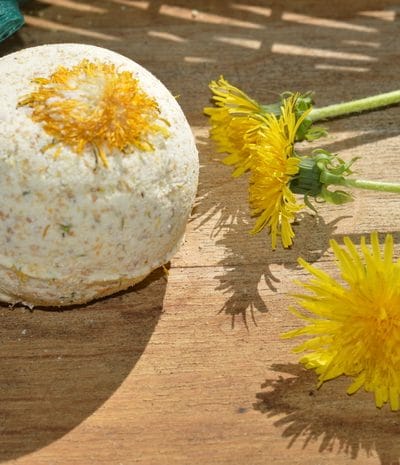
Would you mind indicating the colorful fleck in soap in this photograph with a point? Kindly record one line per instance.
(98, 173)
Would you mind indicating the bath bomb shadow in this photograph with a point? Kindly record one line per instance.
(58, 367)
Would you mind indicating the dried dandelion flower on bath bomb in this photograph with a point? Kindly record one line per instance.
(98, 173)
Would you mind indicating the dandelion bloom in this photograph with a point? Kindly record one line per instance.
(273, 167)
(235, 123)
(354, 325)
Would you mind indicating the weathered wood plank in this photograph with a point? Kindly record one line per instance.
(190, 368)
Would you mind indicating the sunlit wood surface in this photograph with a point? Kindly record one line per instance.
(190, 369)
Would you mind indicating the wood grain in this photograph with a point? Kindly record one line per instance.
(191, 368)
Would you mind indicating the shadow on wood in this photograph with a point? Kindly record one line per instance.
(328, 416)
(58, 367)
(223, 208)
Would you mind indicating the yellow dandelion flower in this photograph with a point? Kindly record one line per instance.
(235, 123)
(94, 105)
(273, 167)
(355, 325)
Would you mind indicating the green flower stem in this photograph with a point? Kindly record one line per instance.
(355, 106)
(337, 180)
(380, 186)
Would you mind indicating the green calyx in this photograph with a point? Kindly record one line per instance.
(307, 181)
(317, 173)
(304, 102)
(306, 131)
(272, 108)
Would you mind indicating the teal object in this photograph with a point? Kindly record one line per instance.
(11, 18)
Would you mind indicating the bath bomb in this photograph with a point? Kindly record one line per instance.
(98, 174)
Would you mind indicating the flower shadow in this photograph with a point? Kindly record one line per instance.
(241, 276)
(57, 367)
(328, 416)
(248, 264)
(313, 234)
(221, 212)
(249, 261)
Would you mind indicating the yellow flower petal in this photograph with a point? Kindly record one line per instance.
(95, 105)
(273, 166)
(236, 124)
(354, 326)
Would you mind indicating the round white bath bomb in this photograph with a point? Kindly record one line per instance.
(72, 228)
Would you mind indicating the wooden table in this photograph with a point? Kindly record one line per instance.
(190, 369)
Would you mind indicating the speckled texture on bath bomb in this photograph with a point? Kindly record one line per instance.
(72, 230)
